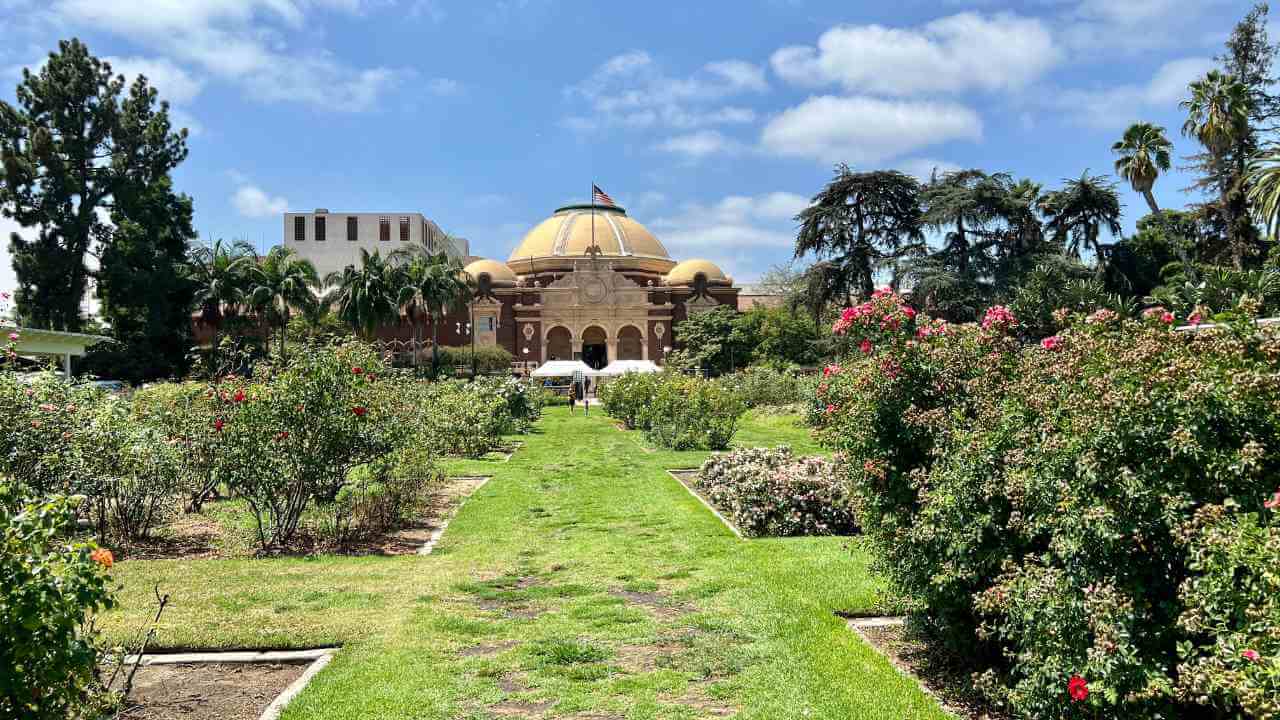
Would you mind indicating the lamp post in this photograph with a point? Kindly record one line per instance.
(464, 329)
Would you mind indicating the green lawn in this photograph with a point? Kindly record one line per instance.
(582, 581)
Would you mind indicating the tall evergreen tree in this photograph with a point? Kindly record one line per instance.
(145, 282)
(76, 149)
(860, 221)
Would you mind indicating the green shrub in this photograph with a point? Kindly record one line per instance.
(773, 493)
(184, 413)
(624, 397)
(38, 416)
(524, 399)
(1028, 500)
(293, 434)
(131, 473)
(50, 587)
(686, 412)
(1231, 612)
(765, 386)
(490, 360)
(458, 420)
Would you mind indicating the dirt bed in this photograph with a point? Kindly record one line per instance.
(207, 691)
(201, 536)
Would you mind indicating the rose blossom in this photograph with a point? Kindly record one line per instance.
(1053, 342)
(865, 347)
(239, 396)
(1273, 503)
(103, 557)
(217, 424)
(359, 410)
(1167, 318)
(13, 336)
(357, 371)
(1250, 654)
(1077, 688)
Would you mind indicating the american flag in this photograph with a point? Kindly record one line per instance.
(600, 197)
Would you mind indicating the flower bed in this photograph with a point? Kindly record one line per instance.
(770, 492)
(1039, 505)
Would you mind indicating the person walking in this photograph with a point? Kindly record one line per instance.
(573, 396)
(586, 390)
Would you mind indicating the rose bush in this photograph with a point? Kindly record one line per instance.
(763, 386)
(687, 412)
(1028, 500)
(774, 493)
(624, 397)
(50, 587)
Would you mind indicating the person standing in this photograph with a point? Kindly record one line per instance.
(573, 396)
(586, 390)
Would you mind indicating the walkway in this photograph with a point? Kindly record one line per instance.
(581, 582)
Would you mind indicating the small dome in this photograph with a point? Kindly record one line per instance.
(686, 273)
(499, 275)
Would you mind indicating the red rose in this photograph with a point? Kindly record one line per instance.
(357, 371)
(217, 424)
(360, 410)
(865, 347)
(1077, 688)
(239, 396)
(282, 435)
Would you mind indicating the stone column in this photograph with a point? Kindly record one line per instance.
(612, 345)
(644, 349)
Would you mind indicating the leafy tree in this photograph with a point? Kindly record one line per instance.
(1138, 264)
(366, 296)
(714, 341)
(430, 285)
(221, 275)
(782, 337)
(280, 284)
(859, 221)
(820, 286)
(1144, 152)
(67, 148)
(1079, 212)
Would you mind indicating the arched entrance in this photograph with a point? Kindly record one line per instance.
(595, 348)
(559, 344)
(630, 345)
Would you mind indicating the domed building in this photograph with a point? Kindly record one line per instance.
(591, 283)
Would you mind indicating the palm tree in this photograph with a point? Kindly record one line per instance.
(280, 283)
(430, 285)
(1264, 190)
(1144, 152)
(1218, 116)
(1217, 111)
(219, 272)
(366, 296)
(1080, 211)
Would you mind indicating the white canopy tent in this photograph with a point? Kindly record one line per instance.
(564, 368)
(621, 367)
(64, 345)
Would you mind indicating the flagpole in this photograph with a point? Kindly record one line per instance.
(593, 217)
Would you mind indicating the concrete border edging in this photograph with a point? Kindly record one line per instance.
(277, 706)
(232, 656)
(705, 503)
(438, 533)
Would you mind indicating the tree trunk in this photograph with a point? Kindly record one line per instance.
(1151, 201)
(435, 345)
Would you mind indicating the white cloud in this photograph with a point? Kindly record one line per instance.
(736, 221)
(252, 201)
(443, 86)
(698, 145)
(242, 41)
(1118, 106)
(923, 169)
(173, 83)
(1098, 28)
(952, 54)
(630, 90)
(863, 130)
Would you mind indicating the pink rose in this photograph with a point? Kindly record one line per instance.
(13, 337)
(1167, 318)
(865, 347)
(1251, 655)
(1053, 342)
(1274, 502)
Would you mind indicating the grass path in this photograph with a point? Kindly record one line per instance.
(581, 582)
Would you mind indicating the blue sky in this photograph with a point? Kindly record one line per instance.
(712, 122)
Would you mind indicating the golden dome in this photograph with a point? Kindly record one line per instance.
(568, 235)
(686, 272)
(499, 275)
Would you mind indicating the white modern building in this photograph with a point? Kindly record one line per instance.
(332, 240)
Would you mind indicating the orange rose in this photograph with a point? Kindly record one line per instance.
(103, 557)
